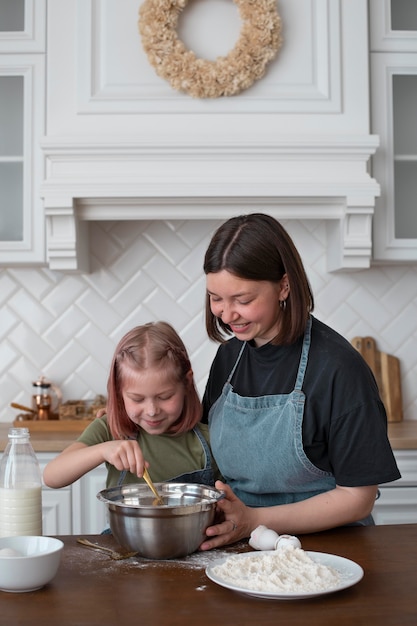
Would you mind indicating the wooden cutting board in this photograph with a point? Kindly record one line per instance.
(386, 369)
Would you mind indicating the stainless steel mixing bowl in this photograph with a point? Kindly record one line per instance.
(167, 531)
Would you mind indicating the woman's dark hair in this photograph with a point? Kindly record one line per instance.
(257, 247)
(155, 345)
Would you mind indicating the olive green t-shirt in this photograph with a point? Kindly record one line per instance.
(168, 455)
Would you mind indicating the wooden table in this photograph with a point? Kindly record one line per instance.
(91, 589)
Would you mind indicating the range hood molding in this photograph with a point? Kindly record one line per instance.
(300, 178)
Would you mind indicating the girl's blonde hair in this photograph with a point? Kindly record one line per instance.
(153, 345)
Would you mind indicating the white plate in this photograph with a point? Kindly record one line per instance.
(350, 574)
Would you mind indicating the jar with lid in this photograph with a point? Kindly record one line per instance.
(47, 399)
(20, 487)
(42, 398)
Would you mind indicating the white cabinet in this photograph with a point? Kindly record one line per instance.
(398, 500)
(89, 514)
(396, 506)
(22, 102)
(393, 39)
(56, 511)
(74, 510)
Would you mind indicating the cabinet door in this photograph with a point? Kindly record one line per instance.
(393, 28)
(396, 505)
(56, 512)
(89, 514)
(394, 103)
(22, 102)
(393, 25)
(22, 26)
(56, 504)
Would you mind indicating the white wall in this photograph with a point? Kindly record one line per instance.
(66, 326)
(103, 98)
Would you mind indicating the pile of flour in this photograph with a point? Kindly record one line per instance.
(289, 570)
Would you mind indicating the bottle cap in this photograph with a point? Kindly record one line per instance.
(18, 432)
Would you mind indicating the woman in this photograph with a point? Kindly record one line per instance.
(297, 426)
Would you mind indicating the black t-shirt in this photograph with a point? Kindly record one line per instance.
(344, 424)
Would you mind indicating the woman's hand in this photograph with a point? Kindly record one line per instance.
(236, 521)
(337, 507)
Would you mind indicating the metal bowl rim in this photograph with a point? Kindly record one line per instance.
(163, 489)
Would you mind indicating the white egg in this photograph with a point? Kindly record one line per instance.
(286, 541)
(10, 552)
(263, 538)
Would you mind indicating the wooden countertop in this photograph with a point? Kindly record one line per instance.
(42, 441)
(402, 435)
(90, 588)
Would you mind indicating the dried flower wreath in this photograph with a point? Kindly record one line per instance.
(258, 43)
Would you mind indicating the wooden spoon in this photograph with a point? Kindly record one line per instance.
(158, 499)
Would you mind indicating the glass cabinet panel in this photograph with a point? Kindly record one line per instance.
(404, 93)
(22, 123)
(11, 158)
(11, 201)
(405, 198)
(11, 116)
(403, 14)
(12, 15)
(393, 78)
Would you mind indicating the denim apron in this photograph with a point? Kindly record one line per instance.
(258, 443)
(203, 476)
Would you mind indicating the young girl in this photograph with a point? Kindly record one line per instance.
(153, 414)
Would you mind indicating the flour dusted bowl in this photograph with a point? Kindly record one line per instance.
(171, 530)
(28, 563)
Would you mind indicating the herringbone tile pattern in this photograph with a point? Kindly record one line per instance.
(66, 326)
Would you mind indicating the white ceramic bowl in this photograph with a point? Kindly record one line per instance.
(36, 567)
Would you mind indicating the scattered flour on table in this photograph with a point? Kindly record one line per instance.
(195, 561)
(77, 554)
(289, 570)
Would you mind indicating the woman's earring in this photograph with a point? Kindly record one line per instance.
(283, 304)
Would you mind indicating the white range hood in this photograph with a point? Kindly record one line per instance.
(121, 144)
(127, 181)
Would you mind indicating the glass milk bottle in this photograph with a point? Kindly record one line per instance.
(20, 487)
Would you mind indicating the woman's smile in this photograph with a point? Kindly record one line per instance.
(239, 328)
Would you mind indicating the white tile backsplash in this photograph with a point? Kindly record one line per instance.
(66, 326)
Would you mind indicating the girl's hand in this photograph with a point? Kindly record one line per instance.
(237, 521)
(124, 454)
